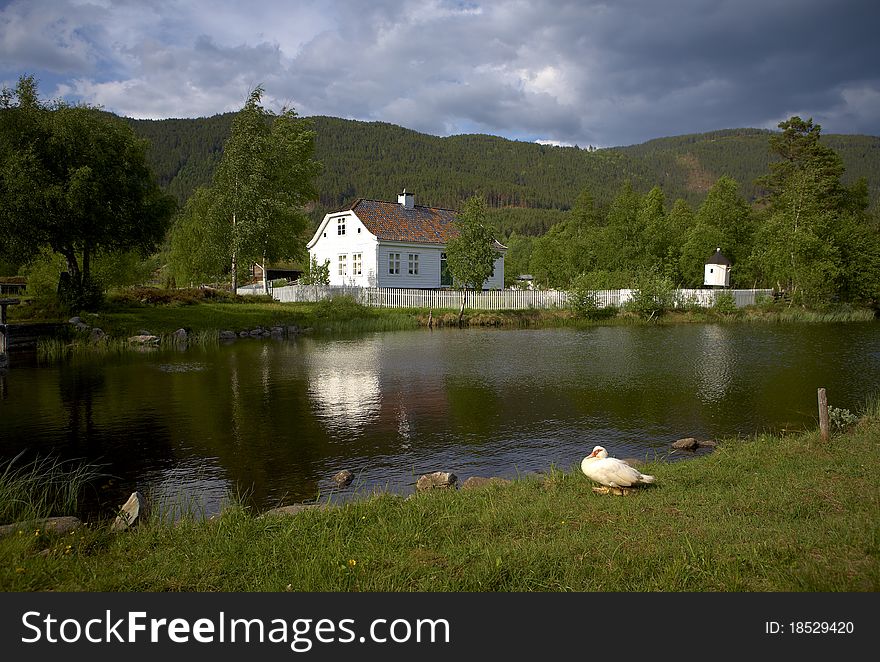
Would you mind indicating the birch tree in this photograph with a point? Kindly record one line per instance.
(253, 210)
(471, 253)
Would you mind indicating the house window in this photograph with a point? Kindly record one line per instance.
(445, 275)
(356, 262)
(394, 263)
(343, 259)
(340, 225)
(413, 264)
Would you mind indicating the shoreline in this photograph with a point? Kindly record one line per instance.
(757, 514)
(209, 323)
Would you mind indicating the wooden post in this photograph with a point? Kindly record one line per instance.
(823, 414)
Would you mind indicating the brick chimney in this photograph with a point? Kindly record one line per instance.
(406, 199)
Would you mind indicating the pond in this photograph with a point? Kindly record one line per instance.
(273, 420)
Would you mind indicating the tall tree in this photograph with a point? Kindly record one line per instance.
(471, 252)
(621, 244)
(652, 218)
(795, 245)
(723, 221)
(253, 208)
(76, 180)
(678, 222)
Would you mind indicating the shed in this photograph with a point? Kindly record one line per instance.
(717, 270)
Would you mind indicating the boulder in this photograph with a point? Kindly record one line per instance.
(96, 335)
(343, 478)
(292, 330)
(62, 525)
(436, 480)
(242, 334)
(707, 444)
(59, 525)
(75, 320)
(82, 326)
(227, 335)
(144, 340)
(277, 332)
(688, 444)
(256, 333)
(133, 511)
(481, 481)
(179, 336)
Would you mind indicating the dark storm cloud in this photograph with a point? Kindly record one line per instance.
(575, 72)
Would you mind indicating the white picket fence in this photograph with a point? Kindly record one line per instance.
(486, 300)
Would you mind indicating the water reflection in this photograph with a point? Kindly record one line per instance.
(716, 362)
(275, 420)
(344, 384)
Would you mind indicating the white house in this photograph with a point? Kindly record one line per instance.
(390, 244)
(717, 270)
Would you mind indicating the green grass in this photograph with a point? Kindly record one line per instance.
(42, 487)
(760, 514)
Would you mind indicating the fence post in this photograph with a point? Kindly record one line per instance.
(823, 414)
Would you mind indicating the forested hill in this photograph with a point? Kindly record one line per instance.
(377, 160)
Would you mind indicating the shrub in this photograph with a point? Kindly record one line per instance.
(653, 294)
(154, 296)
(583, 299)
(725, 303)
(841, 419)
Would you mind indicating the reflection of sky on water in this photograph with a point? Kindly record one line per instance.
(277, 419)
(344, 383)
(715, 363)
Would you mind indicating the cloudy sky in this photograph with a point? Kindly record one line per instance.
(589, 73)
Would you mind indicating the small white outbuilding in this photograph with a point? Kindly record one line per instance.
(717, 272)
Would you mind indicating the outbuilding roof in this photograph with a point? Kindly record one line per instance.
(718, 258)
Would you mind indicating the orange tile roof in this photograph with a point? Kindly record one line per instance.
(393, 222)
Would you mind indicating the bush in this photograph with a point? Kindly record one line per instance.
(725, 303)
(583, 300)
(841, 419)
(155, 296)
(653, 294)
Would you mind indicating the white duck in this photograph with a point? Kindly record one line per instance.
(610, 471)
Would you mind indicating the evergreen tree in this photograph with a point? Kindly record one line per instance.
(795, 247)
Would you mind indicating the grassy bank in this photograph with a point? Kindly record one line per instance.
(204, 313)
(761, 514)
